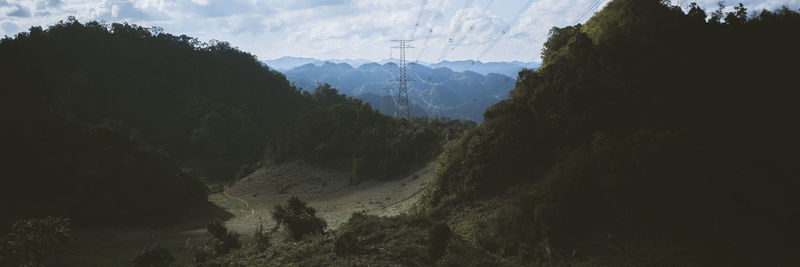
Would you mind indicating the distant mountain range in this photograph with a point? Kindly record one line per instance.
(509, 69)
(287, 63)
(438, 91)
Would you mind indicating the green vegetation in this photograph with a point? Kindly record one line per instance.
(153, 257)
(261, 239)
(367, 240)
(298, 218)
(209, 105)
(220, 242)
(92, 174)
(31, 240)
(648, 137)
(343, 132)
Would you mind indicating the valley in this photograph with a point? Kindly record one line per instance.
(653, 133)
(330, 192)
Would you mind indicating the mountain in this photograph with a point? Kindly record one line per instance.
(505, 68)
(288, 63)
(438, 92)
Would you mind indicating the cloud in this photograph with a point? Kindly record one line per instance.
(15, 11)
(126, 10)
(477, 26)
(336, 28)
(9, 28)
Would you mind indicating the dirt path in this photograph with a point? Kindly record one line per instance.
(244, 202)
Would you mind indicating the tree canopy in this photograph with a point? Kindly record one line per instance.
(646, 125)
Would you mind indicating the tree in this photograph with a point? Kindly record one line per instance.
(298, 218)
(739, 16)
(153, 257)
(697, 12)
(716, 16)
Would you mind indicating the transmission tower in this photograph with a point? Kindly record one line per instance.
(403, 107)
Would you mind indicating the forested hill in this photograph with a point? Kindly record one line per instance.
(649, 136)
(209, 105)
(85, 105)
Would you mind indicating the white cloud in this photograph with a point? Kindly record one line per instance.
(334, 28)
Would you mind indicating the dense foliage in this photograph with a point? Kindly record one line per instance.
(155, 256)
(209, 105)
(298, 218)
(90, 173)
(31, 240)
(649, 135)
(220, 241)
(368, 240)
(346, 133)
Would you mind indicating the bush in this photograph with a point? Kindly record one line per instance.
(153, 257)
(220, 242)
(346, 244)
(31, 240)
(261, 239)
(298, 218)
(228, 240)
(439, 236)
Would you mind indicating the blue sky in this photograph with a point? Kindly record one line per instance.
(488, 30)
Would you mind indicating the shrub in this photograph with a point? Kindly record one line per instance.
(31, 240)
(439, 236)
(346, 244)
(153, 257)
(261, 239)
(228, 240)
(298, 218)
(221, 242)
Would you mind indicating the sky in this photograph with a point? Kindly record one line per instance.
(486, 30)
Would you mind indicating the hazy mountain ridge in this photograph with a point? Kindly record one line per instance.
(507, 68)
(439, 92)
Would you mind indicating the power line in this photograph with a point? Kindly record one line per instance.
(580, 17)
(488, 5)
(430, 31)
(508, 28)
(588, 11)
(419, 17)
(449, 45)
(584, 12)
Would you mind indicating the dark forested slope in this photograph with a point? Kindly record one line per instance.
(649, 135)
(209, 105)
(343, 132)
(83, 103)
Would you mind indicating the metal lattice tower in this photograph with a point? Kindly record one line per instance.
(403, 107)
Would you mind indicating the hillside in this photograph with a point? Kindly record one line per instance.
(642, 140)
(208, 105)
(509, 69)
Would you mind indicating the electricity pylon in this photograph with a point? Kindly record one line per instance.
(403, 107)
